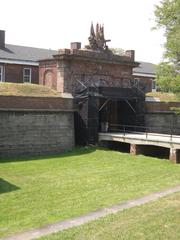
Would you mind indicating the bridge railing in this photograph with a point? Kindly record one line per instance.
(143, 130)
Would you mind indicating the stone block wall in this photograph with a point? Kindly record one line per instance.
(25, 133)
(159, 117)
(35, 125)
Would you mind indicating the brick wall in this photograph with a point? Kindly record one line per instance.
(160, 106)
(100, 75)
(145, 83)
(48, 74)
(14, 73)
(21, 102)
(71, 67)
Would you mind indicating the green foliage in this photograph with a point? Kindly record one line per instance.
(168, 17)
(168, 79)
(176, 110)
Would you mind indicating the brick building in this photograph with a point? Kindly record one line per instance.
(145, 73)
(20, 64)
(71, 67)
(101, 82)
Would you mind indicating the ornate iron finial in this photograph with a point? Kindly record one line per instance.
(92, 33)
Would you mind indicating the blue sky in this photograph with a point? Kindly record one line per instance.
(54, 24)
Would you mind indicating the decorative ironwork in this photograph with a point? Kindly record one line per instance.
(97, 40)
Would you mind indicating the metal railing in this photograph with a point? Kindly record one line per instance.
(144, 130)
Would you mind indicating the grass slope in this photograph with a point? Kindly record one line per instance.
(164, 97)
(157, 220)
(34, 192)
(26, 89)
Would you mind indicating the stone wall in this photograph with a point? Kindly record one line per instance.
(36, 131)
(161, 119)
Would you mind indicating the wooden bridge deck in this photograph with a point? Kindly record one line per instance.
(136, 140)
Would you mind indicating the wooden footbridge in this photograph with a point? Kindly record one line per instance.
(139, 138)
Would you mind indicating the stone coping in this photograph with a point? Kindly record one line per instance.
(87, 55)
(160, 106)
(36, 103)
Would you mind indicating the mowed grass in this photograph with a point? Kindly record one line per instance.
(35, 192)
(156, 220)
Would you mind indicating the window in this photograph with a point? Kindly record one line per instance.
(1, 73)
(27, 75)
(136, 82)
(153, 85)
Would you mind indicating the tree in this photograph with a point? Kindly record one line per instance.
(167, 77)
(168, 17)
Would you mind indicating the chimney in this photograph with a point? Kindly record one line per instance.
(131, 54)
(2, 39)
(75, 45)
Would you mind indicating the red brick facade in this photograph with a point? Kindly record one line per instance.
(161, 106)
(48, 73)
(36, 103)
(14, 73)
(145, 83)
(72, 68)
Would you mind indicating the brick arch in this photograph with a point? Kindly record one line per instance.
(48, 78)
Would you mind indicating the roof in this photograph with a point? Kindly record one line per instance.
(145, 68)
(28, 54)
(31, 55)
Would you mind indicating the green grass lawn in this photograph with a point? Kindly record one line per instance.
(34, 192)
(156, 220)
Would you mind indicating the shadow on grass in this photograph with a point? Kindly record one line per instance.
(7, 187)
(75, 152)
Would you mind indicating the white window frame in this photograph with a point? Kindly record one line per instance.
(25, 76)
(154, 85)
(2, 73)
